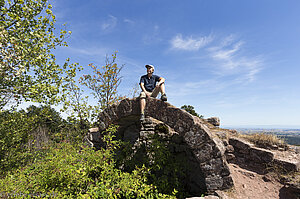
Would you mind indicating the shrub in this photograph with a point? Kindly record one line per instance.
(190, 109)
(25, 131)
(14, 128)
(69, 171)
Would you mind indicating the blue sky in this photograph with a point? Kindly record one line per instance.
(237, 60)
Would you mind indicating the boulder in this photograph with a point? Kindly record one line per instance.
(214, 121)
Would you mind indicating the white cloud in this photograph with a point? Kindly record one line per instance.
(227, 54)
(109, 23)
(231, 61)
(227, 41)
(190, 43)
(230, 64)
(131, 22)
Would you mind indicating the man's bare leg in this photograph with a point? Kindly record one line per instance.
(143, 105)
(162, 88)
(163, 93)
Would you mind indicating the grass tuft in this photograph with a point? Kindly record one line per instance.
(265, 140)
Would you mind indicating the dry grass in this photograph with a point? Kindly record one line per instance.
(297, 177)
(264, 140)
(230, 193)
(293, 177)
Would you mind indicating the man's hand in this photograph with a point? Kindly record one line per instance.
(148, 96)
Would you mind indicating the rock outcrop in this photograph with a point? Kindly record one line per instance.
(245, 153)
(206, 148)
(214, 121)
(261, 169)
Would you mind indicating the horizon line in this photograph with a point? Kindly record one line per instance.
(266, 126)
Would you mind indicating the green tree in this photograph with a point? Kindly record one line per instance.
(28, 69)
(104, 83)
(75, 102)
(20, 132)
(190, 109)
(45, 116)
(14, 135)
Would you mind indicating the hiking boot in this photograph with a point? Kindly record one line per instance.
(164, 97)
(142, 117)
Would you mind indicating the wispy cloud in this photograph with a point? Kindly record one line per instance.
(226, 54)
(90, 51)
(194, 88)
(231, 61)
(227, 59)
(152, 35)
(110, 23)
(129, 21)
(189, 43)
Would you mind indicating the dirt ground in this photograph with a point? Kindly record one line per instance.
(251, 185)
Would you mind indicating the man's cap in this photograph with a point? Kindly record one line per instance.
(149, 66)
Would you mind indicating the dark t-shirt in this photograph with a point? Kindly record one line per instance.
(149, 83)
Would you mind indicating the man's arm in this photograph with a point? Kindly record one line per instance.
(161, 81)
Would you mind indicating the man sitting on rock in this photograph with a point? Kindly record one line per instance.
(151, 85)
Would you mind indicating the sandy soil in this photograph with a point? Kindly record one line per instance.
(251, 185)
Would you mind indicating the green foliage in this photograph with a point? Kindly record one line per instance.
(74, 102)
(72, 130)
(68, 171)
(14, 128)
(20, 134)
(45, 116)
(27, 37)
(190, 109)
(104, 83)
(167, 171)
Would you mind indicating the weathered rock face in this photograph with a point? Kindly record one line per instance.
(245, 153)
(214, 121)
(206, 148)
(153, 141)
